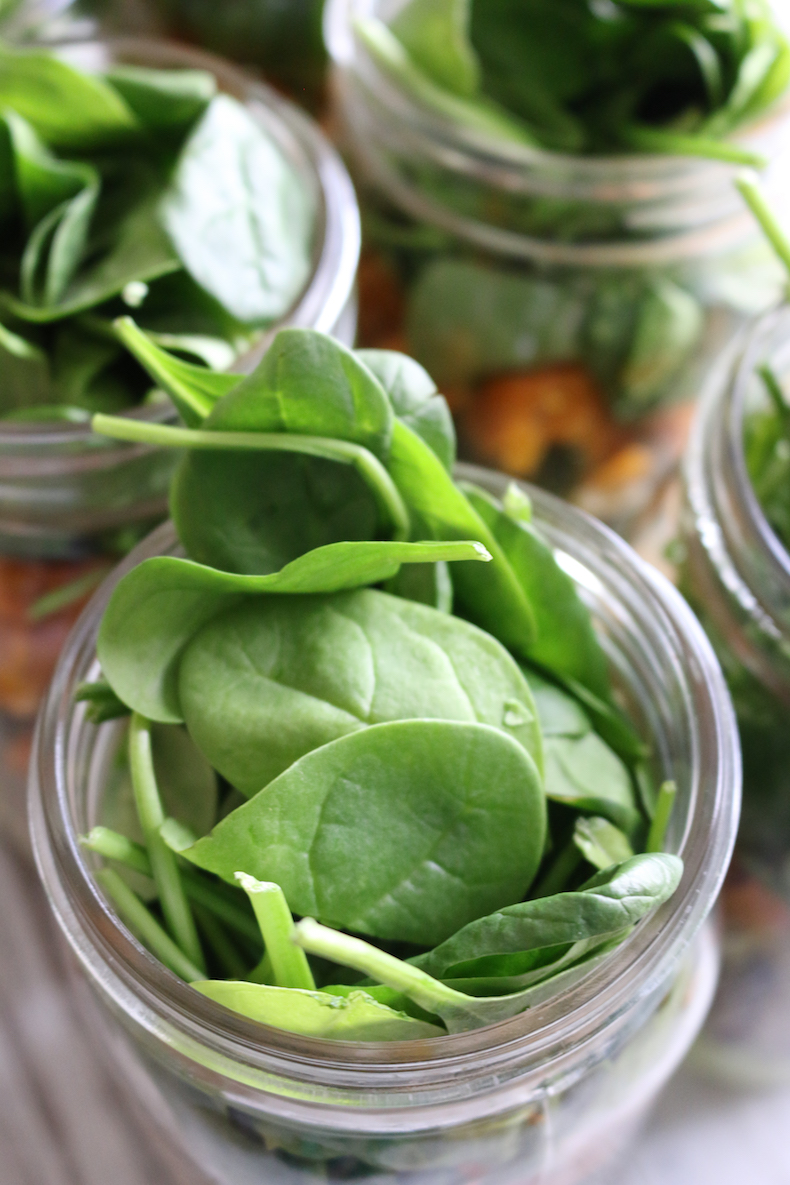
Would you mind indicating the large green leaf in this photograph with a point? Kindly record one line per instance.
(263, 684)
(253, 514)
(436, 35)
(240, 216)
(158, 606)
(68, 109)
(610, 902)
(398, 830)
(565, 641)
(415, 399)
(163, 100)
(440, 510)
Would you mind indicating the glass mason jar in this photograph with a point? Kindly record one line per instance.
(562, 301)
(70, 499)
(546, 1097)
(737, 574)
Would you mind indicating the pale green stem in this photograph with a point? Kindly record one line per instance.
(164, 868)
(658, 828)
(369, 467)
(114, 846)
(289, 963)
(341, 948)
(753, 196)
(132, 911)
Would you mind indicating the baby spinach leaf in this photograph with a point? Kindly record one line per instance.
(163, 99)
(239, 216)
(436, 35)
(669, 324)
(355, 834)
(266, 682)
(41, 179)
(162, 603)
(584, 773)
(58, 246)
(504, 975)
(565, 641)
(415, 399)
(479, 114)
(254, 514)
(68, 109)
(193, 389)
(601, 843)
(356, 1017)
(430, 584)
(611, 901)
(559, 713)
(498, 603)
(140, 251)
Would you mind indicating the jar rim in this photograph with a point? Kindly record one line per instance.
(330, 286)
(708, 214)
(728, 516)
(691, 687)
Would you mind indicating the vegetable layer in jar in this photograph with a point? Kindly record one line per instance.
(396, 696)
(560, 287)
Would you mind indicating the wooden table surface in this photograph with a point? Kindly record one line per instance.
(64, 1122)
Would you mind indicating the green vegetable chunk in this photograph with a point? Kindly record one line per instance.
(399, 830)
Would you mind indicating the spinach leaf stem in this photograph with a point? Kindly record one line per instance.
(145, 926)
(368, 466)
(164, 868)
(289, 962)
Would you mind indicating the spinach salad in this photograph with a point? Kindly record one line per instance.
(370, 697)
(584, 76)
(134, 188)
(547, 203)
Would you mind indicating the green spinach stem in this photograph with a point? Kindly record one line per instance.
(369, 467)
(114, 846)
(232, 964)
(342, 948)
(755, 200)
(559, 871)
(658, 828)
(142, 923)
(289, 962)
(164, 868)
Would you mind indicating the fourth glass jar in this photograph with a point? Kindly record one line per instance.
(72, 502)
(562, 302)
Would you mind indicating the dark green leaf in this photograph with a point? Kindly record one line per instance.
(163, 99)
(612, 901)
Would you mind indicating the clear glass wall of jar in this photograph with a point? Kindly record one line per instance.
(737, 574)
(546, 1097)
(569, 305)
(71, 501)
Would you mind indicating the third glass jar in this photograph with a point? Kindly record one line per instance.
(567, 305)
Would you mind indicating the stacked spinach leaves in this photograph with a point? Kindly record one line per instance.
(134, 188)
(585, 76)
(401, 696)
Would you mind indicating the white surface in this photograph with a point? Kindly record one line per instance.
(63, 1122)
